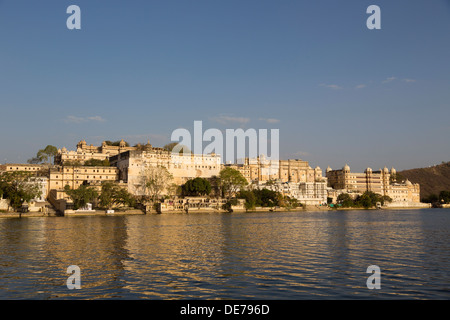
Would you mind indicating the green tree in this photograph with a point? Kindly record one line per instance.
(81, 196)
(74, 163)
(18, 187)
(113, 195)
(175, 146)
(267, 198)
(115, 143)
(97, 163)
(345, 200)
(47, 154)
(250, 199)
(365, 200)
(290, 203)
(370, 199)
(432, 198)
(197, 187)
(231, 181)
(216, 189)
(156, 180)
(444, 196)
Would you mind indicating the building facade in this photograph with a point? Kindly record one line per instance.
(86, 152)
(74, 176)
(313, 193)
(132, 166)
(261, 170)
(382, 182)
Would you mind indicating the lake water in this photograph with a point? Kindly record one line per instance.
(297, 255)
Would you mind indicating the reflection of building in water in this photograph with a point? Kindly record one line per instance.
(94, 244)
(170, 252)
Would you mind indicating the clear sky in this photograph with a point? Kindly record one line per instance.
(339, 92)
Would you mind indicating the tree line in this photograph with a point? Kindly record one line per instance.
(368, 199)
(437, 200)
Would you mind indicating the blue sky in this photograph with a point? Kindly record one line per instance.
(339, 92)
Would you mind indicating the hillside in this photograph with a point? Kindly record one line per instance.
(432, 180)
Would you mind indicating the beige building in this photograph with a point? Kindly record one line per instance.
(132, 165)
(382, 182)
(35, 168)
(39, 175)
(260, 169)
(353, 182)
(312, 193)
(74, 176)
(404, 192)
(86, 152)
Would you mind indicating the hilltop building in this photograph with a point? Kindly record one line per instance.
(86, 152)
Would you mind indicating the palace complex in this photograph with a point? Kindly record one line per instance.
(128, 165)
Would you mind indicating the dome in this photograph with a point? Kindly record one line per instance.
(346, 168)
(64, 149)
(329, 169)
(393, 171)
(386, 170)
(408, 183)
(317, 168)
(369, 170)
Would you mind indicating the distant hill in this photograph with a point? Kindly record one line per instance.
(432, 180)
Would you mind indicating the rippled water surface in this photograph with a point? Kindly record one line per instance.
(300, 255)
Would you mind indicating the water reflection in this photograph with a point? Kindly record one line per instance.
(228, 256)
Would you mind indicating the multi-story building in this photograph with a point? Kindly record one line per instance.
(260, 169)
(382, 182)
(404, 192)
(86, 152)
(307, 193)
(184, 166)
(34, 168)
(353, 182)
(74, 176)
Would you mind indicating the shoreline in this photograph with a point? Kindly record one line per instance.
(193, 211)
